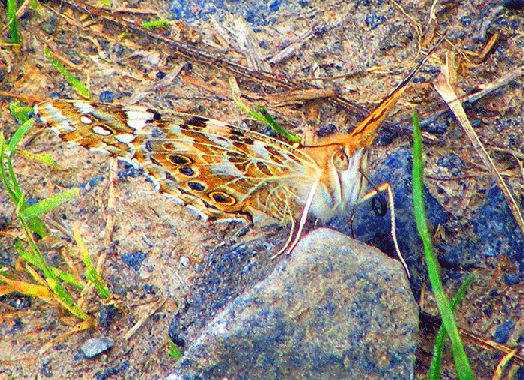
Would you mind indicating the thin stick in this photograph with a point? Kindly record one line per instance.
(447, 93)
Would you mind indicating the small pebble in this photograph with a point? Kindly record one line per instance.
(107, 96)
(451, 161)
(373, 21)
(503, 332)
(274, 6)
(46, 369)
(118, 50)
(175, 337)
(326, 130)
(107, 315)
(96, 346)
(511, 279)
(91, 183)
(184, 261)
(134, 259)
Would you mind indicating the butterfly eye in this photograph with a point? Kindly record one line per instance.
(340, 160)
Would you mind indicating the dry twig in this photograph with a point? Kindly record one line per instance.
(447, 93)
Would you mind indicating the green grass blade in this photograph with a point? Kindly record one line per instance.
(19, 134)
(13, 23)
(436, 360)
(43, 158)
(91, 273)
(94, 277)
(174, 350)
(53, 278)
(263, 116)
(33, 255)
(154, 24)
(36, 259)
(21, 113)
(461, 361)
(9, 179)
(67, 301)
(48, 204)
(67, 75)
(68, 277)
(3, 175)
(11, 148)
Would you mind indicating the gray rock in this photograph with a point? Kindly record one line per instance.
(334, 309)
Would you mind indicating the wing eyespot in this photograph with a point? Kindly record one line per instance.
(178, 159)
(197, 186)
(187, 171)
(222, 198)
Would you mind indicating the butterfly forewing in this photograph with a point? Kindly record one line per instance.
(219, 170)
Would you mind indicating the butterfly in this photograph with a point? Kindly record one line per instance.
(224, 172)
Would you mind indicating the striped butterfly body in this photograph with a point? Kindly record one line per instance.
(222, 171)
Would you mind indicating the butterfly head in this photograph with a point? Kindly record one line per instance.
(340, 177)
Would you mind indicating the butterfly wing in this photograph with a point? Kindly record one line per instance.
(219, 170)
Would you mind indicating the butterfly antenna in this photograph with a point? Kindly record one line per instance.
(364, 131)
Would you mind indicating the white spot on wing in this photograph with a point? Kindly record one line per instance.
(176, 200)
(175, 129)
(260, 150)
(101, 131)
(156, 187)
(85, 120)
(55, 130)
(83, 108)
(55, 118)
(125, 138)
(64, 126)
(137, 119)
(226, 168)
(37, 111)
(225, 143)
(99, 150)
(229, 220)
(136, 124)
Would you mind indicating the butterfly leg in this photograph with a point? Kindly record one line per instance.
(387, 187)
(292, 242)
(288, 241)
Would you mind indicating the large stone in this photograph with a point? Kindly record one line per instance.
(334, 309)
